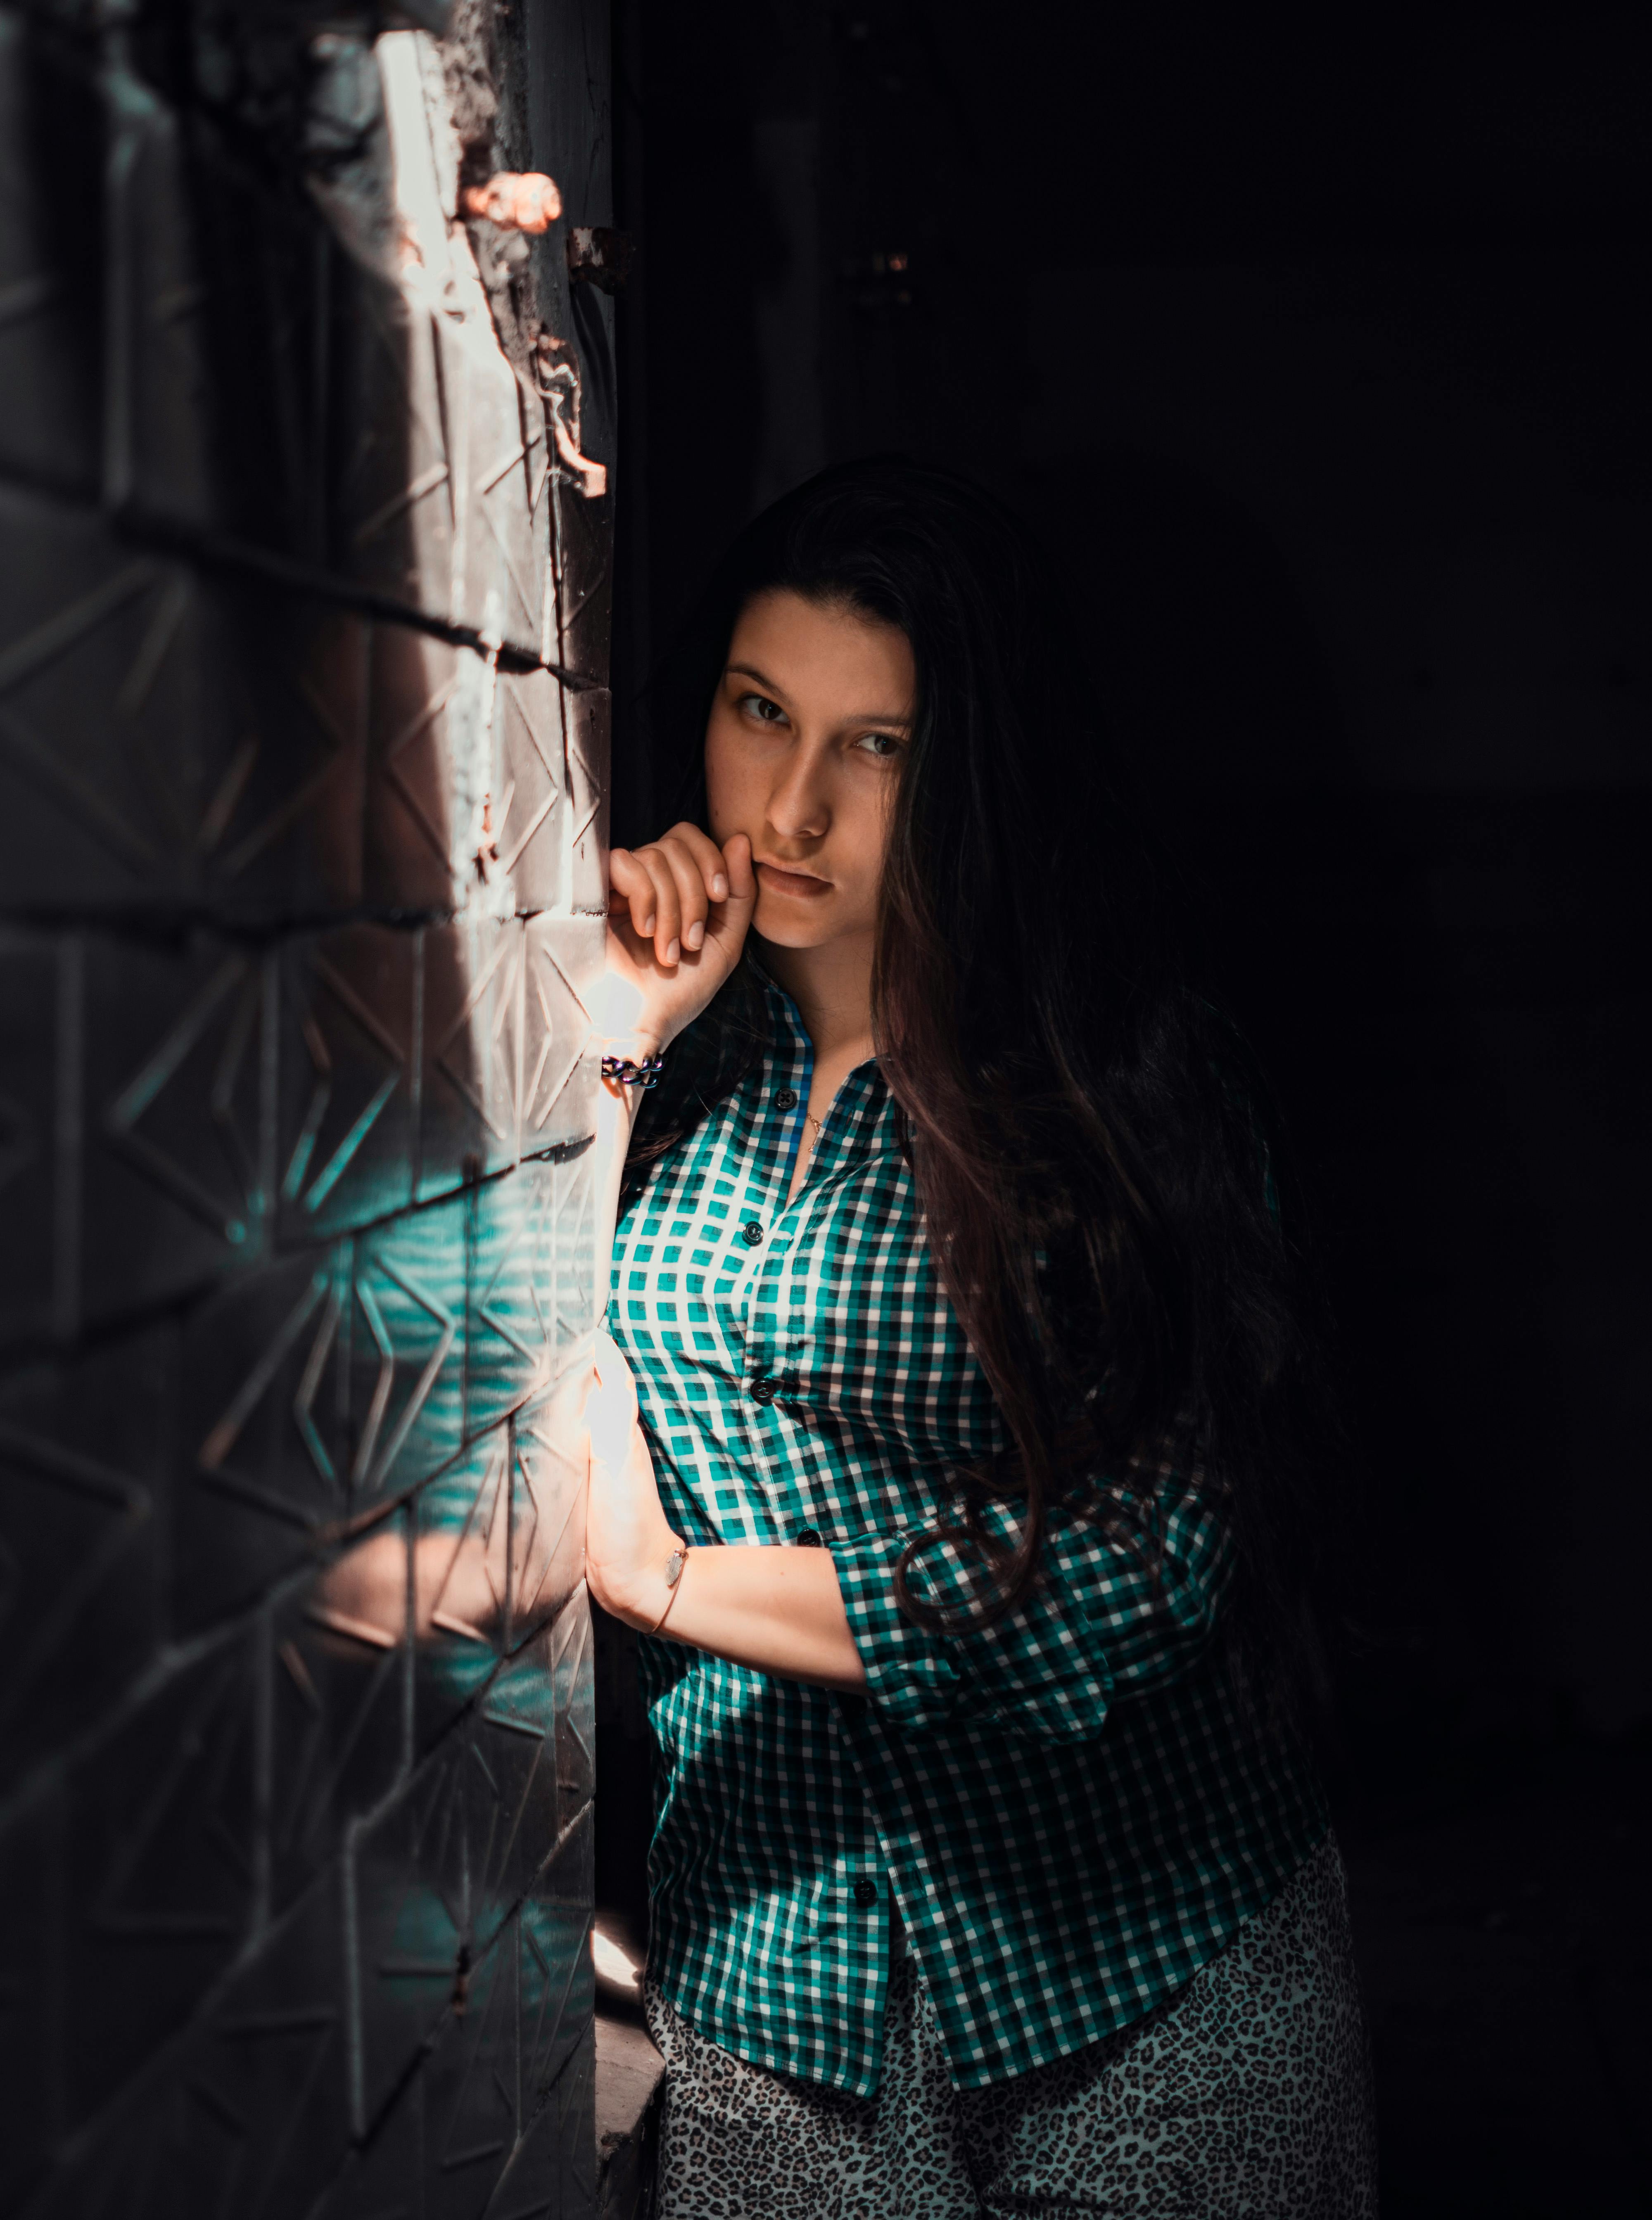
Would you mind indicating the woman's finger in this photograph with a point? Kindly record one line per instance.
(694, 900)
(655, 907)
(630, 877)
(667, 906)
(742, 877)
(707, 855)
(729, 927)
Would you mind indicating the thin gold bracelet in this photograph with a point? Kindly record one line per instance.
(674, 1565)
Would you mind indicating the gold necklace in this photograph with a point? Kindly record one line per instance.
(803, 1170)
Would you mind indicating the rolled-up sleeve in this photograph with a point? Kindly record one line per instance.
(1105, 1619)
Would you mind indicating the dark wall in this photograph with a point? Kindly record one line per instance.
(1324, 373)
(1322, 368)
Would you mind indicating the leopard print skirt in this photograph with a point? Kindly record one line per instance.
(1245, 2096)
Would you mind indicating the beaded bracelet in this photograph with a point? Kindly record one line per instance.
(624, 1073)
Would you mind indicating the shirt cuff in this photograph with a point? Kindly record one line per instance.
(912, 1675)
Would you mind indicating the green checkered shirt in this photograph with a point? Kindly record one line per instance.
(1069, 1809)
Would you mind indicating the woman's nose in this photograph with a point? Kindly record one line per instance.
(799, 808)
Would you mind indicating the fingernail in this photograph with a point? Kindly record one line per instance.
(695, 934)
(673, 950)
(648, 925)
(720, 888)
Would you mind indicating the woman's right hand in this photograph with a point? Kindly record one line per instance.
(678, 910)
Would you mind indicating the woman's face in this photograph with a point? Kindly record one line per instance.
(803, 748)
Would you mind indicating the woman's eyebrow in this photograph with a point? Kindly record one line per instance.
(856, 717)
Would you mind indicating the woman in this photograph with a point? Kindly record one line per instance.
(948, 1450)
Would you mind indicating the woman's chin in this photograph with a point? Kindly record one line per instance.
(786, 924)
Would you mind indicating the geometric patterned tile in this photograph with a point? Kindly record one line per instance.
(338, 1673)
(590, 715)
(49, 376)
(86, 1473)
(466, 780)
(161, 1846)
(547, 1527)
(296, 1106)
(510, 1320)
(317, 1391)
(528, 2017)
(530, 833)
(35, 2008)
(263, 1426)
(562, 1285)
(169, 738)
(410, 844)
(249, 2112)
(476, 1015)
(282, 794)
(95, 648)
(466, 777)
(568, 1650)
(350, 1073)
(417, 1062)
(155, 431)
(564, 961)
(40, 1001)
(171, 1121)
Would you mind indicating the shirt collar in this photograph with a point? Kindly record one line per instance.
(874, 1124)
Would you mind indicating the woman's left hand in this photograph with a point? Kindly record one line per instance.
(627, 1535)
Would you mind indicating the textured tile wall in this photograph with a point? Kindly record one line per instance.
(302, 753)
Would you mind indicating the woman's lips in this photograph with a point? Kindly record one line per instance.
(780, 881)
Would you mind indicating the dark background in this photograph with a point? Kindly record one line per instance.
(1325, 368)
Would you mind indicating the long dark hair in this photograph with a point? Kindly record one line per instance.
(1092, 1152)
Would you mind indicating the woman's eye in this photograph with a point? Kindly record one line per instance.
(879, 744)
(760, 706)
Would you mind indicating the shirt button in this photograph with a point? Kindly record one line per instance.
(787, 1099)
(866, 1892)
(809, 1539)
(752, 1234)
(762, 1391)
